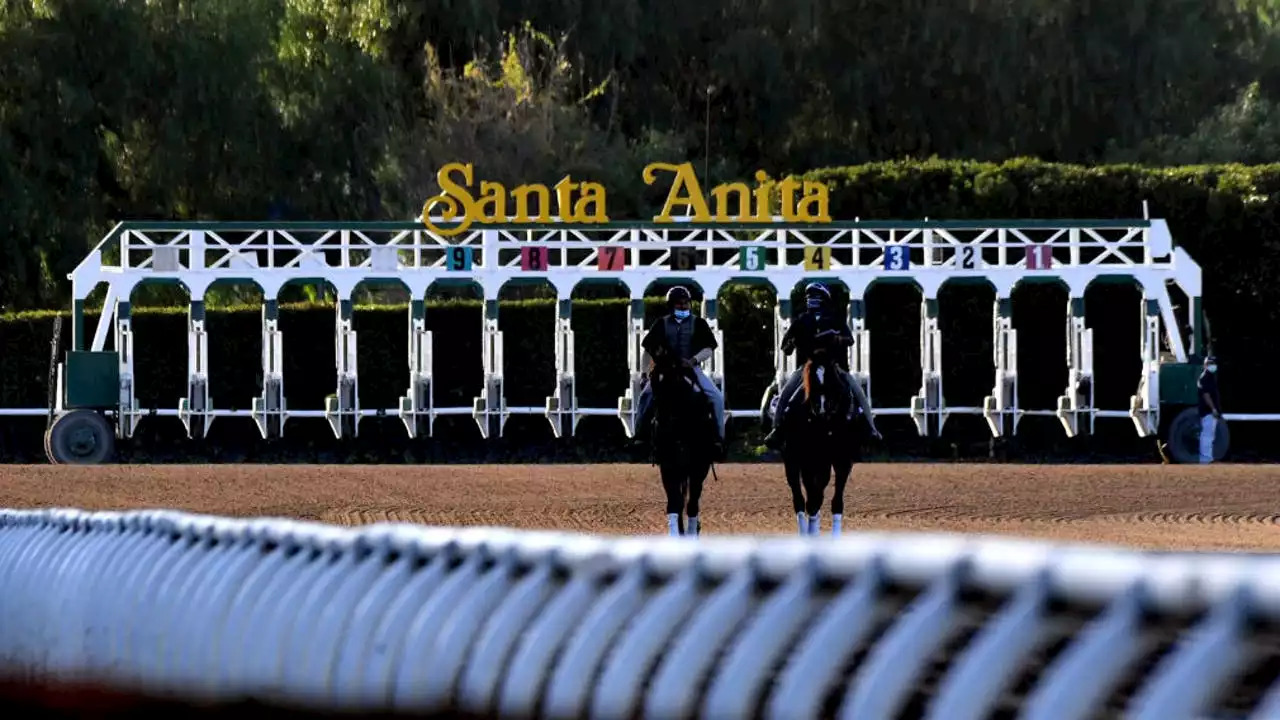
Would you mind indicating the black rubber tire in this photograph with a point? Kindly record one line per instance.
(1182, 439)
(80, 437)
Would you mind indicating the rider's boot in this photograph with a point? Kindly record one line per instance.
(644, 426)
(720, 447)
(773, 440)
(718, 444)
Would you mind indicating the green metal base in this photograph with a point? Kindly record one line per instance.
(92, 380)
(1178, 383)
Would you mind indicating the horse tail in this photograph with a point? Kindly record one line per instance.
(805, 377)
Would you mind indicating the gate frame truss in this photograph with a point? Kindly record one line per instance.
(857, 254)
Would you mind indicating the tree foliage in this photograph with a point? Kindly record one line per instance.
(325, 109)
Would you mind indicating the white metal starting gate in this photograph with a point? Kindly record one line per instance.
(856, 254)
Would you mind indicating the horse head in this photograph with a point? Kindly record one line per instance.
(824, 395)
(672, 382)
(680, 427)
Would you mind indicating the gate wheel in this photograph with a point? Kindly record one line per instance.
(1183, 438)
(80, 437)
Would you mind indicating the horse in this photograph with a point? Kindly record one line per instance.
(820, 441)
(683, 442)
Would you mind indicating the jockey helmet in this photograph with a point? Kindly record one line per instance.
(816, 295)
(677, 294)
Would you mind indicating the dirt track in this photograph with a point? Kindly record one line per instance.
(1182, 507)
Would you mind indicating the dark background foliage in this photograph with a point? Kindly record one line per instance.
(327, 110)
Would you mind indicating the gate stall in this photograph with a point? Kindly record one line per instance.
(96, 387)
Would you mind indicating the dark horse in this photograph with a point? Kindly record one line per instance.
(683, 441)
(822, 439)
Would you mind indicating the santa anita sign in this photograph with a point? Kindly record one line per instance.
(586, 203)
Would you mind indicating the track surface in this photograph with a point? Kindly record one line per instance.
(1228, 507)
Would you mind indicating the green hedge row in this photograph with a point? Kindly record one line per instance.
(1225, 217)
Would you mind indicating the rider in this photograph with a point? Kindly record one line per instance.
(818, 327)
(690, 341)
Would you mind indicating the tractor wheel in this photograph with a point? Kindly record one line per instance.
(1183, 438)
(80, 437)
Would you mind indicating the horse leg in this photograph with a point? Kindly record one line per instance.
(674, 487)
(793, 469)
(843, 469)
(693, 506)
(816, 479)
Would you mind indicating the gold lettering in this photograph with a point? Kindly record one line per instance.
(721, 195)
(764, 197)
(456, 200)
(587, 202)
(685, 177)
(564, 198)
(815, 193)
(590, 208)
(493, 197)
(787, 189)
(521, 194)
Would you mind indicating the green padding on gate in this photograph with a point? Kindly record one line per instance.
(92, 379)
(1178, 383)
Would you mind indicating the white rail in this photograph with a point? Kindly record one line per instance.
(524, 623)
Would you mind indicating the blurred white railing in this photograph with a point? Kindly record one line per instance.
(557, 625)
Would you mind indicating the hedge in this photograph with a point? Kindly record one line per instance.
(1224, 216)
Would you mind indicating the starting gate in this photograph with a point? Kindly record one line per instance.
(94, 383)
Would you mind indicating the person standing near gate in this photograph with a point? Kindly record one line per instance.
(1210, 408)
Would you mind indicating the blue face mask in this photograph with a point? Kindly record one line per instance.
(813, 303)
(681, 314)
